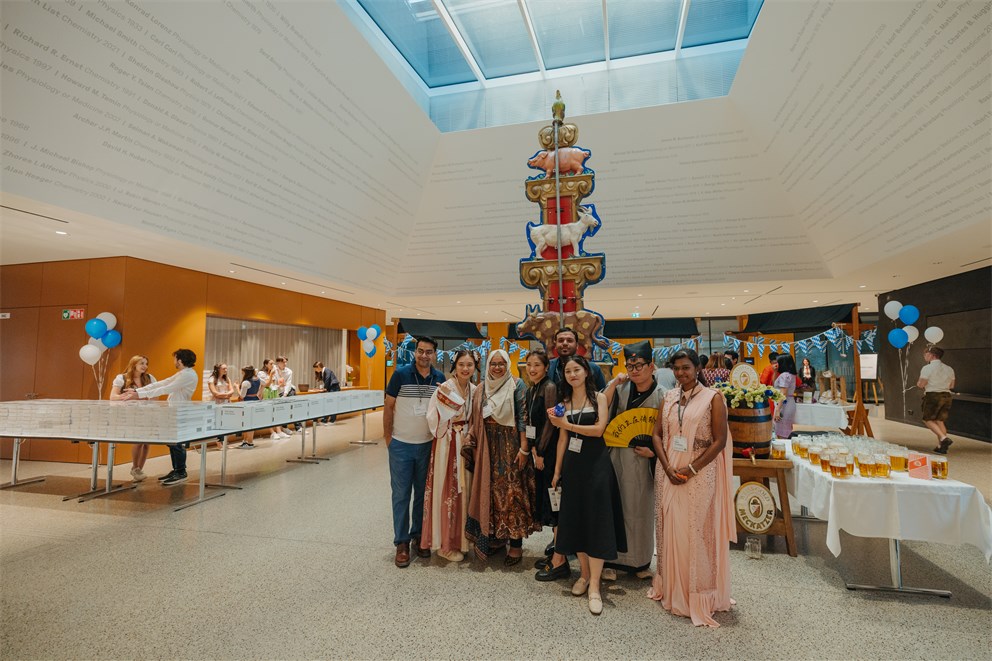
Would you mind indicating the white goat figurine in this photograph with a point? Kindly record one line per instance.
(546, 236)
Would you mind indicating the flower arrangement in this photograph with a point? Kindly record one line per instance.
(738, 397)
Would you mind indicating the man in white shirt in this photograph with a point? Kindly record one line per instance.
(936, 379)
(180, 388)
(286, 387)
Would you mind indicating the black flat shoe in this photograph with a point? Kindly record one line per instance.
(543, 563)
(549, 549)
(553, 573)
(511, 560)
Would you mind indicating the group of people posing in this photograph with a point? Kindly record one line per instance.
(274, 379)
(484, 466)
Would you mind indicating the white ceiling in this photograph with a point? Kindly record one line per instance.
(854, 149)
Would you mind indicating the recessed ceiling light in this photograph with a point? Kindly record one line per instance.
(862, 286)
(816, 300)
(418, 314)
(639, 295)
(733, 298)
(60, 232)
(637, 307)
(707, 313)
(282, 283)
(747, 291)
(230, 271)
(457, 301)
(486, 312)
(723, 304)
(323, 292)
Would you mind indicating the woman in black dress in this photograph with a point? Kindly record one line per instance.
(543, 441)
(590, 521)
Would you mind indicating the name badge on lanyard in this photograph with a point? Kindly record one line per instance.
(531, 432)
(575, 444)
(680, 443)
(420, 408)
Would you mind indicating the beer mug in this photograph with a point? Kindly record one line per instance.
(778, 449)
(938, 468)
(825, 457)
(814, 454)
(795, 445)
(898, 457)
(803, 449)
(882, 465)
(866, 464)
(849, 459)
(752, 548)
(838, 466)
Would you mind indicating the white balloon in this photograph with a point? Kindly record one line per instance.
(933, 335)
(108, 318)
(912, 333)
(368, 345)
(892, 309)
(98, 343)
(371, 334)
(89, 354)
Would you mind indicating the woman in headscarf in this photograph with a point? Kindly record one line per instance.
(446, 493)
(502, 502)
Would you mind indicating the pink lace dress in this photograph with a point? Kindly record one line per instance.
(695, 521)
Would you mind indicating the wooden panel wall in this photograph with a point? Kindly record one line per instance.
(159, 308)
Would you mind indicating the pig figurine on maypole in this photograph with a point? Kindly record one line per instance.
(558, 265)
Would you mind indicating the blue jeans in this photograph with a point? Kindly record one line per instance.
(408, 464)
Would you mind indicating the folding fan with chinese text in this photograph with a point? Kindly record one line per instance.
(631, 428)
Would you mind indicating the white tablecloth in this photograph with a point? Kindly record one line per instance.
(900, 507)
(822, 415)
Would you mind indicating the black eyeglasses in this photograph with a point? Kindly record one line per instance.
(636, 367)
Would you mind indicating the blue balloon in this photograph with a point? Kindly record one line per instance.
(908, 314)
(111, 339)
(96, 328)
(362, 332)
(898, 338)
(370, 353)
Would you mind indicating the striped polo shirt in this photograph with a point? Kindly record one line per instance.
(412, 392)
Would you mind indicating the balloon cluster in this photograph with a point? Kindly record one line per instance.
(367, 336)
(102, 337)
(909, 315)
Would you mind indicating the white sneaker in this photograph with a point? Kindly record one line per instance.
(137, 474)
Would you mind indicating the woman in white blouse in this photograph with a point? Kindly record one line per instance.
(135, 376)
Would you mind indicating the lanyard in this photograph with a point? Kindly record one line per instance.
(682, 409)
(430, 382)
(532, 398)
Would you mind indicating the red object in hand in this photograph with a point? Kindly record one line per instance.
(746, 452)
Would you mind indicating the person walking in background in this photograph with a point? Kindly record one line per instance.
(408, 441)
(180, 388)
(251, 386)
(937, 380)
(695, 514)
(785, 412)
(134, 376)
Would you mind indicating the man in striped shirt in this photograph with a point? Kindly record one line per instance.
(408, 439)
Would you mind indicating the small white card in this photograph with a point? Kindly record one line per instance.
(487, 410)
(575, 444)
(420, 408)
(531, 432)
(680, 444)
(555, 496)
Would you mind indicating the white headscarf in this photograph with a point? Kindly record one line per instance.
(499, 395)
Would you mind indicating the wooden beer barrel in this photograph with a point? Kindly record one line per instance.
(751, 428)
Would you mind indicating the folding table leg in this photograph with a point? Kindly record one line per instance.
(15, 459)
(895, 570)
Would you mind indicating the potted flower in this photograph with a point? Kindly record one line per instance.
(348, 372)
(749, 416)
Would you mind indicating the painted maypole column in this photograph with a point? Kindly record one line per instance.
(558, 265)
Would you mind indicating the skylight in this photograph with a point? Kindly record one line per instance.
(467, 56)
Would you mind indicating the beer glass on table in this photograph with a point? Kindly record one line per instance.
(778, 449)
(938, 468)
(882, 466)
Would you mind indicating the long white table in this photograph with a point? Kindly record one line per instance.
(823, 415)
(201, 438)
(896, 508)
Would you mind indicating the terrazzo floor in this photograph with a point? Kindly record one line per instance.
(299, 565)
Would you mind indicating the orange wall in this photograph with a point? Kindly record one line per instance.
(159, 308)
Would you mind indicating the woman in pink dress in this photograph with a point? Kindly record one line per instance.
(693, 498)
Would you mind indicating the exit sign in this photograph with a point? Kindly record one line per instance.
(635, 315)
(74, 313)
